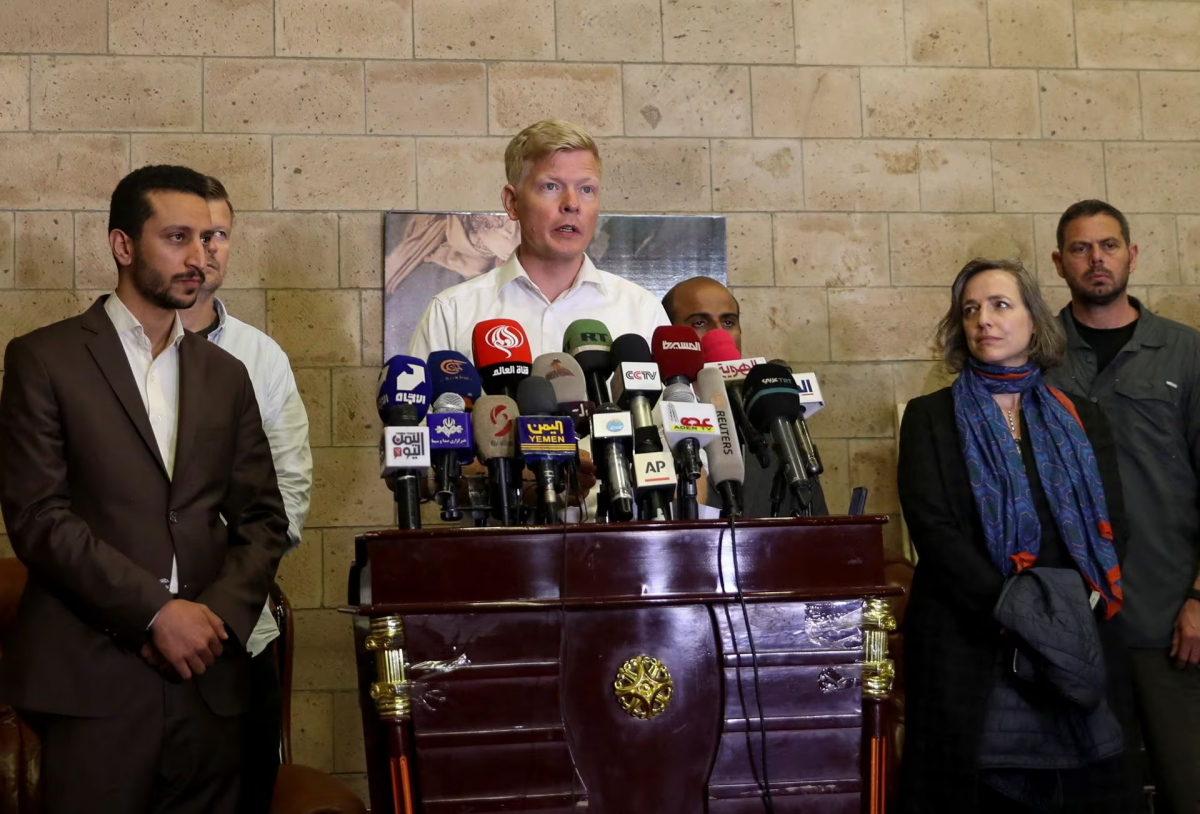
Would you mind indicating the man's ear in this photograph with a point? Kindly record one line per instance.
(122, 247)
(509, 197)
(1056, 256)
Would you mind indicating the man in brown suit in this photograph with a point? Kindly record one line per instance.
(137, 486)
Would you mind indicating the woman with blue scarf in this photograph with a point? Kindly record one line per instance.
(998, 474)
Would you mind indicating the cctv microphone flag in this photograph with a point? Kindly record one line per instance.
(403, 380)
(676, 349)
(451, 372)
(502, 355)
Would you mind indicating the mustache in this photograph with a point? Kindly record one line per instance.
(198, 276)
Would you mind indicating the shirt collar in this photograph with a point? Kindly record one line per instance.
(221, 315)
(125, 322)
(513, 270)
(1148, 332)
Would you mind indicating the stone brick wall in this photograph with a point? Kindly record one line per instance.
(861, 149)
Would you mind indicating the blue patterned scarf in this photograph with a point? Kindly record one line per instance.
(1066, 466)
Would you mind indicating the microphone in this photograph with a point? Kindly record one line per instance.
(496, 441)
(811, 401)
(688, 427)
(450, 442)
(451, 372)
(726, 470)
(677, 352)
(720, 351)
(403, 398)
(547, 444)
(612, 435)
(570, 391)
(773, 405)
(636, 387)
(589, 341)
(502, 355)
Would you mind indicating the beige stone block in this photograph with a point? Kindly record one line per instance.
(863, 395)
(748, 252)
(300, 573)
(1171, 105)
(862, 175)
(8, 239)
(462, 175)
(347, 489)
(758, 174)
(521, 93)
(187, 27)
(241, 163)
(355, 416)
(956, 176)
(316, 328)
(339, 555)
(949, 103)
(835, 480)
(60, 171)
(345, 172)
(873, 465)
(1137, 34)
(593, 31)
(1045, 176)
(1148, 177)
(1158, 249)
(24, 311)
(284, 250)
(247, 304)
(800, 102)
(1189, 249)
(946, 32)
(655, 175)
(831, 250)
(687, 100)
(312, 729)
(912, 379)
(115, 93)
(931, 249)
(372, 328)
(876, 324)
(727, 31)
(784, 323)
(1180, 304)
(358, 784)
(283, 96)
(427, 98)
(1045, 244)
(45, 250)
(360, 249)
(832, 32)
(484, 29)
(94, 264)
(313, 384)
(349, 753)
(1090, 105)
(1032, 33)
(344, 28)
(41, 26)
(14, 93)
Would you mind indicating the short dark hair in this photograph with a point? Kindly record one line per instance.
(130, 206)
(1049, 342)
(214, 190)
(1087, 209)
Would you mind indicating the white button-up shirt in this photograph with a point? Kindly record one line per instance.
(157, 380)
(285, 423)
(507, 292)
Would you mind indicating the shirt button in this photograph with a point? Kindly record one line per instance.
(1094, 399)
(174, 518)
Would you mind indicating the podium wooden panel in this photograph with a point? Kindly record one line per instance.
(488, 660)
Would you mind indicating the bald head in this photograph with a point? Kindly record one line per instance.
(703, 303)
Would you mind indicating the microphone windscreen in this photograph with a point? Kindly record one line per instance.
(403, 380)
(589, 341)
(770, 392)
(451, 372)
(494, 427)
(565, 376)
(679, 392)
(724, 457)
(716, 345)
(676, 349)
(499, 341)
(782, 364)
(631, 348)
(535, 396)
(449, 403)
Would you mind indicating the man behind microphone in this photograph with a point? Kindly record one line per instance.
(703, 304)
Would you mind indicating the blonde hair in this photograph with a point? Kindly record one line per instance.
(541, 139)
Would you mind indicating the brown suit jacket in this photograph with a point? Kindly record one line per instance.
(92, 513)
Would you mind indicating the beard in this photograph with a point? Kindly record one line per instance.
(1088, 295)
(151, 285)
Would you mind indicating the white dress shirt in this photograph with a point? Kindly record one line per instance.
(157, 380)
(285, 423)
(507, 292)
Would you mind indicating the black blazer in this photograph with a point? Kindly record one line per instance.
(92, 513)
(950, 638)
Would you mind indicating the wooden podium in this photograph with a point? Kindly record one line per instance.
(606, 669)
